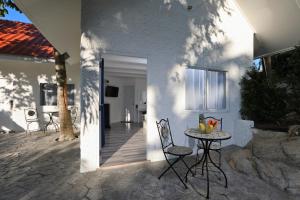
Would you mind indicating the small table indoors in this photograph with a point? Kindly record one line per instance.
(207, 139)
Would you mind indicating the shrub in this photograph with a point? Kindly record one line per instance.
(261, 101)
(272, 99)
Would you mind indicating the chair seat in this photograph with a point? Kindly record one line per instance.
(180, 150)
(32, 120)
(213, 146)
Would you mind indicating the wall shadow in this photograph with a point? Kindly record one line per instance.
(20, 89)
(7, 123)
(16, 94)
(173, 37)
(89, 80)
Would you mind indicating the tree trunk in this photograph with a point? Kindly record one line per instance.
(268, 65)
(65, 121)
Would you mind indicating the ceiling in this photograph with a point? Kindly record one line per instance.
(276, 23)
(58, 21)
(125, 66)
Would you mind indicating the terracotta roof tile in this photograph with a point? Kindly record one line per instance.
(18, 38)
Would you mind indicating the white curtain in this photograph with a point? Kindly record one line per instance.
(195, 89)
(205, 90)
(216, 90)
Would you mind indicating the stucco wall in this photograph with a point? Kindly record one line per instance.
(117, 103)
(23, 89)
(213, 34)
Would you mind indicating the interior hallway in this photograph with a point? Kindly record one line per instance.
(124, 143)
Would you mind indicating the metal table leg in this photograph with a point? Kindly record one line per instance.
(207, 158)
(51, 121)
(194, 165)
(219, 168)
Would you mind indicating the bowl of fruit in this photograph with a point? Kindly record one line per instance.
(208, 127)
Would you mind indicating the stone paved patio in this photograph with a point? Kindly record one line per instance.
(37, 167)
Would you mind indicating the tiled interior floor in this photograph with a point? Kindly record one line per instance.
(124, 143)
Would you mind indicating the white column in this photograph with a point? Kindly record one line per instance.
(90, 116)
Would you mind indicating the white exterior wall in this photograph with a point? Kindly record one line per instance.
(171, 38)
(24, 78)
(90, 139)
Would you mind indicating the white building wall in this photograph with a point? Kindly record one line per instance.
(23, 89)
(213, 34)
(140, 90)
(117, 103)
(90, 139)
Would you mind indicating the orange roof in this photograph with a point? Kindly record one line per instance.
(22, 39)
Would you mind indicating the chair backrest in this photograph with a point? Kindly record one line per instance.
(220, 122)
(73, 113)
(165, 133)
(30, 114)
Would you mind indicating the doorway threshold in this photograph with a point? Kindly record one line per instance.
(116, 166)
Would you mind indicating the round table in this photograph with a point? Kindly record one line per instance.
(207, 139)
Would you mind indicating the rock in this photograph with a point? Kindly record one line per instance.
(292, 175)
(265, 145)
(294, 131)
(292, 151)
(270, 172)
(274, 158)
(279, 174)
(241, 160)
(267, 134)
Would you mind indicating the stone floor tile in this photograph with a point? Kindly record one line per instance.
(36, 167)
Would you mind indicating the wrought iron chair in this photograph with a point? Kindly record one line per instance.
(31, 116)
(169, 148)
(73, 113)
(215, 146)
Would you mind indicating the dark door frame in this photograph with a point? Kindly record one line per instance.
(102, 128)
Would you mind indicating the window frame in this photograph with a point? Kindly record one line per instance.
(205, 109)
(73, 95)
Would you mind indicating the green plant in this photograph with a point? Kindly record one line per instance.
(287, 70)
(4, 4)
(261, 101)
(271, 99)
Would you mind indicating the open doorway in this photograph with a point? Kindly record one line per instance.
(125, 106)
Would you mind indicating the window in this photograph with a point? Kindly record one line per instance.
(258, 64)
(205, 90)
(48, 94)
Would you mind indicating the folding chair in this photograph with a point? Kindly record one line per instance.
(73, 113)
(169, 148)
(215, 146)
(31, 116)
